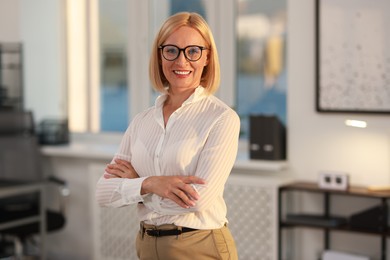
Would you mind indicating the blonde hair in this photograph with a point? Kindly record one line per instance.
(211, 73)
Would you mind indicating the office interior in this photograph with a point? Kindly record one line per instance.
(317, 142)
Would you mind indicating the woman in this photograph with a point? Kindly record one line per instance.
(176, 156)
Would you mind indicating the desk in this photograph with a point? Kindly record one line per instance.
(373, 223)
(9, 189)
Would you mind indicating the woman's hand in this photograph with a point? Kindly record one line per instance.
(120, 169)
(176, 188)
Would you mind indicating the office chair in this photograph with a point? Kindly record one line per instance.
(20, 162)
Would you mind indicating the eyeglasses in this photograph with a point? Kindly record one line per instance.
(191, 52)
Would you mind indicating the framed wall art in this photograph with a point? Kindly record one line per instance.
(353, 56)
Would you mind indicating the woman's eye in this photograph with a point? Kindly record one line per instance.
(193, 51)
(171, 50)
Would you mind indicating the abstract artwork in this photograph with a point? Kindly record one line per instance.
(353, 56)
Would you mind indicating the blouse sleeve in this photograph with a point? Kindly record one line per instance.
(118, 192)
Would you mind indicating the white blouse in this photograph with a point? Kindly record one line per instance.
(200, 138)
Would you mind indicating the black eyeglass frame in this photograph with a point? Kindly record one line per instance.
(161, 47)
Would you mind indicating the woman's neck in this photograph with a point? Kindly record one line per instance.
(176, 98)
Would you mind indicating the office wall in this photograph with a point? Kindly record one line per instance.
(39, 25)
(319, 141)
(42, 30)
(9, 21)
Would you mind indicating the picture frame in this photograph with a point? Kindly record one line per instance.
(352, 56)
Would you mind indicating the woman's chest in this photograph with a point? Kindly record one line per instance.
(171, 151)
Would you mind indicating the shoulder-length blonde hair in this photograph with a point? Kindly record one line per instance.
(211, 73)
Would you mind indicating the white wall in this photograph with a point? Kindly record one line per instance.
(9, 21)
(40, 26)
(319, 141)
(42, 30)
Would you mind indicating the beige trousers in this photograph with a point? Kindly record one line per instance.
(194, 245)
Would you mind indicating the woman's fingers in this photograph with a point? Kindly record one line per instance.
(124, 163)
(180, 199)
(122, 166)
(121, 169)
(179, 189)
(190, 188)
(185, 198)
(114, 170)
(193, 179)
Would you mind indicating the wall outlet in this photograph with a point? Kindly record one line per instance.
(333, 180)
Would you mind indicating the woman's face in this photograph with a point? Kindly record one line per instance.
(181, 73)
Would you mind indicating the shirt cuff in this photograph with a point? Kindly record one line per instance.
(131, 190)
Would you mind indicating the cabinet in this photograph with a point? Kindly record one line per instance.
(9, 189)
(11, 71)
(369, 221)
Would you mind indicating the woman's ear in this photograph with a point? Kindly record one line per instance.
(206, 62)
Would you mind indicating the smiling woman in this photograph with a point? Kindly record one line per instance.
(176, 156)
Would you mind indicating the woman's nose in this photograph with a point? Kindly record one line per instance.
(182, 58)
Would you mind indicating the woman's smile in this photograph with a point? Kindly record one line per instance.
(182, 72)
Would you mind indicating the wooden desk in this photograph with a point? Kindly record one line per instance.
(9, 189)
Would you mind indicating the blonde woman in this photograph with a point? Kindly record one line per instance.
(175, 157)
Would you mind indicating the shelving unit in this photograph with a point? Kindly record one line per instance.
(11, 76)
(9, 189)
(327, 222)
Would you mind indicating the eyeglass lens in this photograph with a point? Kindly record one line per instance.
(192, 53)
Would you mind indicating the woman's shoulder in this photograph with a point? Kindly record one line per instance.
(144, 114)
(217, 103)
(218, 110)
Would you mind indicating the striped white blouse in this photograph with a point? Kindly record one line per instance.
(200, 138)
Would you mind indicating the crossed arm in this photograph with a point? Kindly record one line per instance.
(177, 193)
(175, 188)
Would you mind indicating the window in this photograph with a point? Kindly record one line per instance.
(261, 66)
(114, 85)
(250, 37)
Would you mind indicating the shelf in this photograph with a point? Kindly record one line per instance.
(372, 221)
(316, 220)
(352, 190)
(345, 228)
(11, 47)
(15, 67)
(11, 76)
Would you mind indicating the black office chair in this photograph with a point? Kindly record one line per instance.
(20, 161)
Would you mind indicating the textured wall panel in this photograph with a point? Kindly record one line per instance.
(252, 215)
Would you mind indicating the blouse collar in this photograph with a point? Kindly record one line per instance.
(198, 94)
